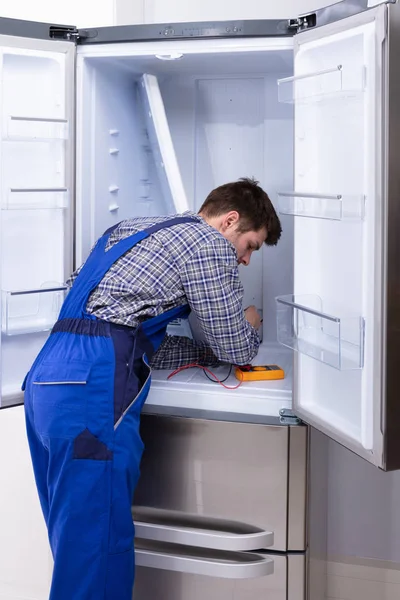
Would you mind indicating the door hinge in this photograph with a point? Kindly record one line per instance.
(61, 32)
(286, 417)
(302, 23)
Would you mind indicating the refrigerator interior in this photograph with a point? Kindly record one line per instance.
(227, 110)
(305, 121)
(225, 122)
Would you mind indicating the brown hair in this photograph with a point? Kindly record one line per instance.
(251, 202)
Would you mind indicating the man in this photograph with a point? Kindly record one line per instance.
(85, 391)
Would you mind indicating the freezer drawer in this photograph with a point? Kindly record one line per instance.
(252, 475)
(287, 582)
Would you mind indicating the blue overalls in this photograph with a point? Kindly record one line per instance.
(83, 399)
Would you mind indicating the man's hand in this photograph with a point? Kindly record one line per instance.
(253, 316)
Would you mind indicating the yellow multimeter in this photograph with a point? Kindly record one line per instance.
(259, 373)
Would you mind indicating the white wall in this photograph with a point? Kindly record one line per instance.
(83, 13)
(25, 559)
(182, 10)
(162, 11)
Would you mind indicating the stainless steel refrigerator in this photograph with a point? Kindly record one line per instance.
(99, 125)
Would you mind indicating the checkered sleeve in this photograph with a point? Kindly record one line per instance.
(176, 351)
(215, 294)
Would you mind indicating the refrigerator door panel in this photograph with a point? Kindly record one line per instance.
(333, 320)
(287, 582)
(391, 317)
(36, 196)
(244, 473)
(197, 561)
(175, 527)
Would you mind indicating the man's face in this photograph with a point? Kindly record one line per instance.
(246, 243)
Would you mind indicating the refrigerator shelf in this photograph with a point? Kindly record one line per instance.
(337, 341)
(31, 311)
(35, 129)
(335, 207)
(321, 85)
(35, 198)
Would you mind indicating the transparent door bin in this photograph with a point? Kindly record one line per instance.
(36, 129)
(31, 311)
(336, 207)
(320, 85)
(327, 337)
(35, 198)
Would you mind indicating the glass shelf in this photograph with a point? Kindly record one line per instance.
(316, 86)
(36, 129)
(35, 198)
(335, 207)
(331, 339)
(30, 311)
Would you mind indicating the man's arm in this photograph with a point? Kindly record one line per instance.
(214, 292)
(178, 351)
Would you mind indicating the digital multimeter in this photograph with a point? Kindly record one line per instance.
(259, 373)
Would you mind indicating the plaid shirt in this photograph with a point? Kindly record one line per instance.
(189, 263)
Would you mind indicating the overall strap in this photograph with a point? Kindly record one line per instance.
(101, 260)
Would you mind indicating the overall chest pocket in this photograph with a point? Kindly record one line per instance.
(59, 393)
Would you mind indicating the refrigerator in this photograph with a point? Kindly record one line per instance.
(100, 125)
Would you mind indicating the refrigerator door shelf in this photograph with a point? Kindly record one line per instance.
(197, 561)
(335, 207)
(31, 311)
(334, 340)
(21, 128)
(327, 84)
(35, 198)
(195, 530)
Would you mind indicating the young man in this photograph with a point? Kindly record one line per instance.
(86, 389)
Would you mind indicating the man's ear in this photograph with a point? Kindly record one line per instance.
(230, 219)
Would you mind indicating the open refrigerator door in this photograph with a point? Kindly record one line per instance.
(36, 198)
(333, 319)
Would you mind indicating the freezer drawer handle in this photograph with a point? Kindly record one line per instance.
(175, 527)
(197, 561)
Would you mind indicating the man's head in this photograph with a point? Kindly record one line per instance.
(243, 213)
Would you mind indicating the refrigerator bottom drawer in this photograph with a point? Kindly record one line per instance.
(287, 582)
